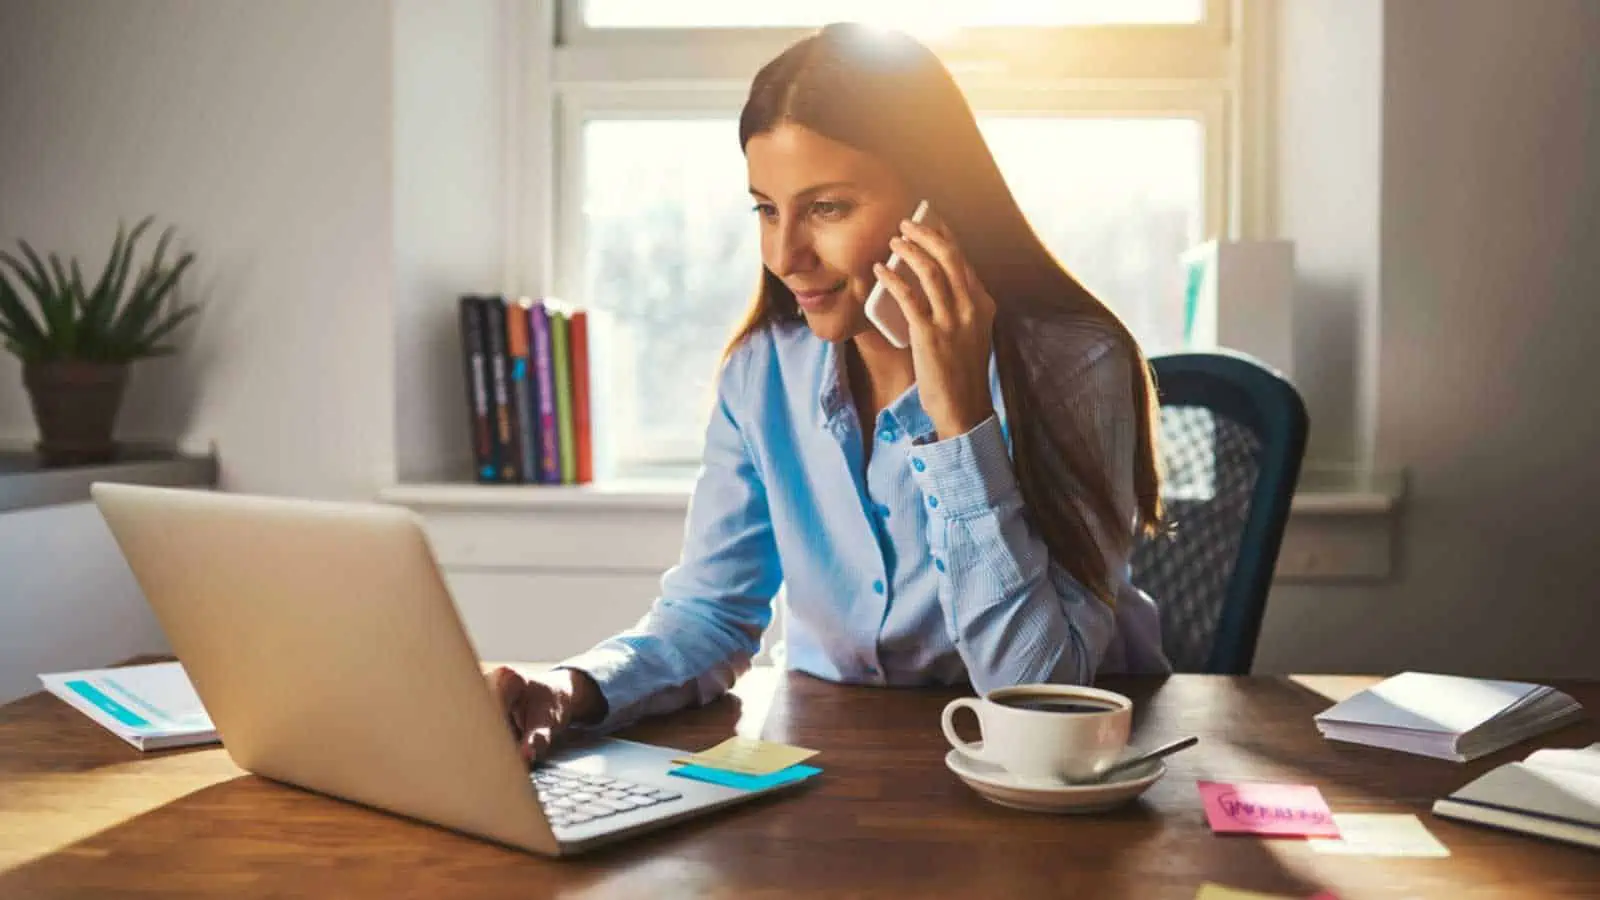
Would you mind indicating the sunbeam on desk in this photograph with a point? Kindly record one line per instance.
(49, 812)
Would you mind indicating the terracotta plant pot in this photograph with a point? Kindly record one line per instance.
(75, 404)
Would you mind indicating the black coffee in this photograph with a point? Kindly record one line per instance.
(1042, 703)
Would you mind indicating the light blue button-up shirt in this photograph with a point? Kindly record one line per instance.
(916, 566)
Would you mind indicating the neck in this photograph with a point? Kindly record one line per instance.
(882, 371)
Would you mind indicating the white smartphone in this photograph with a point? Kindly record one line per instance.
(883, 310)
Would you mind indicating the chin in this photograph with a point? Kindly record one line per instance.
(836, 325)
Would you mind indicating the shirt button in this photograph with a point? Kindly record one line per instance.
(887, 435)
(938, 564)
(933, 502)
(877, 586)
(883, 510)
(918, 464)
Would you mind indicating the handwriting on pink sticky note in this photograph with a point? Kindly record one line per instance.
(1289, 810)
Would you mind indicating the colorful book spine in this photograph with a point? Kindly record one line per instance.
(499, 368)
(521, 390)
(560, 337)
(474, 351)
(544, 364)
(578, 324)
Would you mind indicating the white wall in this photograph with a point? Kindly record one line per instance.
(67, 599)
(453, 211)
(1329, 114)
(1489, 320)
(263, 132)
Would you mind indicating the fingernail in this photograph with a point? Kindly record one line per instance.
(897, 242)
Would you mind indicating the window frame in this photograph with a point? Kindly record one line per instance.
(1198, 72)
(1211, 32)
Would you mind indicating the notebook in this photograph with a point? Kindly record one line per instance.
(1552, 793)
(152, 707)
(1447, 716)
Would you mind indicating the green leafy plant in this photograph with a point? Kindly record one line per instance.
(112, 322)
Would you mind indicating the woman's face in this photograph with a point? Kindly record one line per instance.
(827, 211)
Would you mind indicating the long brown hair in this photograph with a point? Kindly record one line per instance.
(884, 93)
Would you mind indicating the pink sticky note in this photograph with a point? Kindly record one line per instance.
(1290, 810)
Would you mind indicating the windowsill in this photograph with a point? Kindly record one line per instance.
(620, 494)
(1348, 492)
(1343, 525)
(1322, 492)
(26, 485)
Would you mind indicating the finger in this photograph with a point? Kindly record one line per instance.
(534, 745)
(499, 681)
(938, 224)
(536, 707)
(506, 685)
(982, 300)
(910, 301)
(951, 262)
(930, 277)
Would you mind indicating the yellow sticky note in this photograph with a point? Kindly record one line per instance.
(748, 756)
(1381, 834)
(1212, 891)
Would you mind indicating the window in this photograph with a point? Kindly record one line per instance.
(815, 13)
(1109, 119)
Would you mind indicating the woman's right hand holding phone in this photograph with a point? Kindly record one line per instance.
(539, 710)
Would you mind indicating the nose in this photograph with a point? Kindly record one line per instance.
(788, 248)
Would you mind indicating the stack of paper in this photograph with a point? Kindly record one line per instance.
(151, 707)
(1446, 716)
(1553, 794)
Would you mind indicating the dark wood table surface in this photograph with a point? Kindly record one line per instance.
(84, 815)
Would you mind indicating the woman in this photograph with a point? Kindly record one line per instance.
(963, 508)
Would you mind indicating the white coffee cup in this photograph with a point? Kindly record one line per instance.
(1044, 743)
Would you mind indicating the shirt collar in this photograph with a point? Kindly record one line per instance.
(834, 393)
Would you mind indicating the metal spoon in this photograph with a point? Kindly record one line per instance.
(1130, 762)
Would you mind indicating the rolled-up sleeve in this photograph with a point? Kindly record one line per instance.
(1013, 613)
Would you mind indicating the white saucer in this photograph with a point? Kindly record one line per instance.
(1036, 795)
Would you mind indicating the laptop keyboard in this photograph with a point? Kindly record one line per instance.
(572, 798)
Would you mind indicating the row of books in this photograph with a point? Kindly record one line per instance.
(527, 367)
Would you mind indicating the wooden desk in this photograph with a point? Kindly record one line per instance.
(83, 815)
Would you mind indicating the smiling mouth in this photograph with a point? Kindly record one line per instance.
(818, 295)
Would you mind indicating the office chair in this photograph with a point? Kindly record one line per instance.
(1231, 439)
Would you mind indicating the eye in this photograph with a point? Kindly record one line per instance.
(832, 210)
(766, 211)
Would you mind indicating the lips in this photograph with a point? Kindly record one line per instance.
(816, 297)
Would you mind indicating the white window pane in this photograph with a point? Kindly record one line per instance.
(1117, 201)
(909, 14)
(672, 249)
(672, 255)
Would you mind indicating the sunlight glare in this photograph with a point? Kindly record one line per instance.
(50, 812)
(919, 18)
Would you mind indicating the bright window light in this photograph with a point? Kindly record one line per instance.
(916, 16)
(671, 252)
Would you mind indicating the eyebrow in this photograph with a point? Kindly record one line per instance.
(810, 191)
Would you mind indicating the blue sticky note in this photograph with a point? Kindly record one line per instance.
(746, 782)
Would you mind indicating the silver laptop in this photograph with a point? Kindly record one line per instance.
(326, 649)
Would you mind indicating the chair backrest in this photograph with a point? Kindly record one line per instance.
(1232, 436)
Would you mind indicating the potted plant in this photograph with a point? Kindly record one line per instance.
(77, 351)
